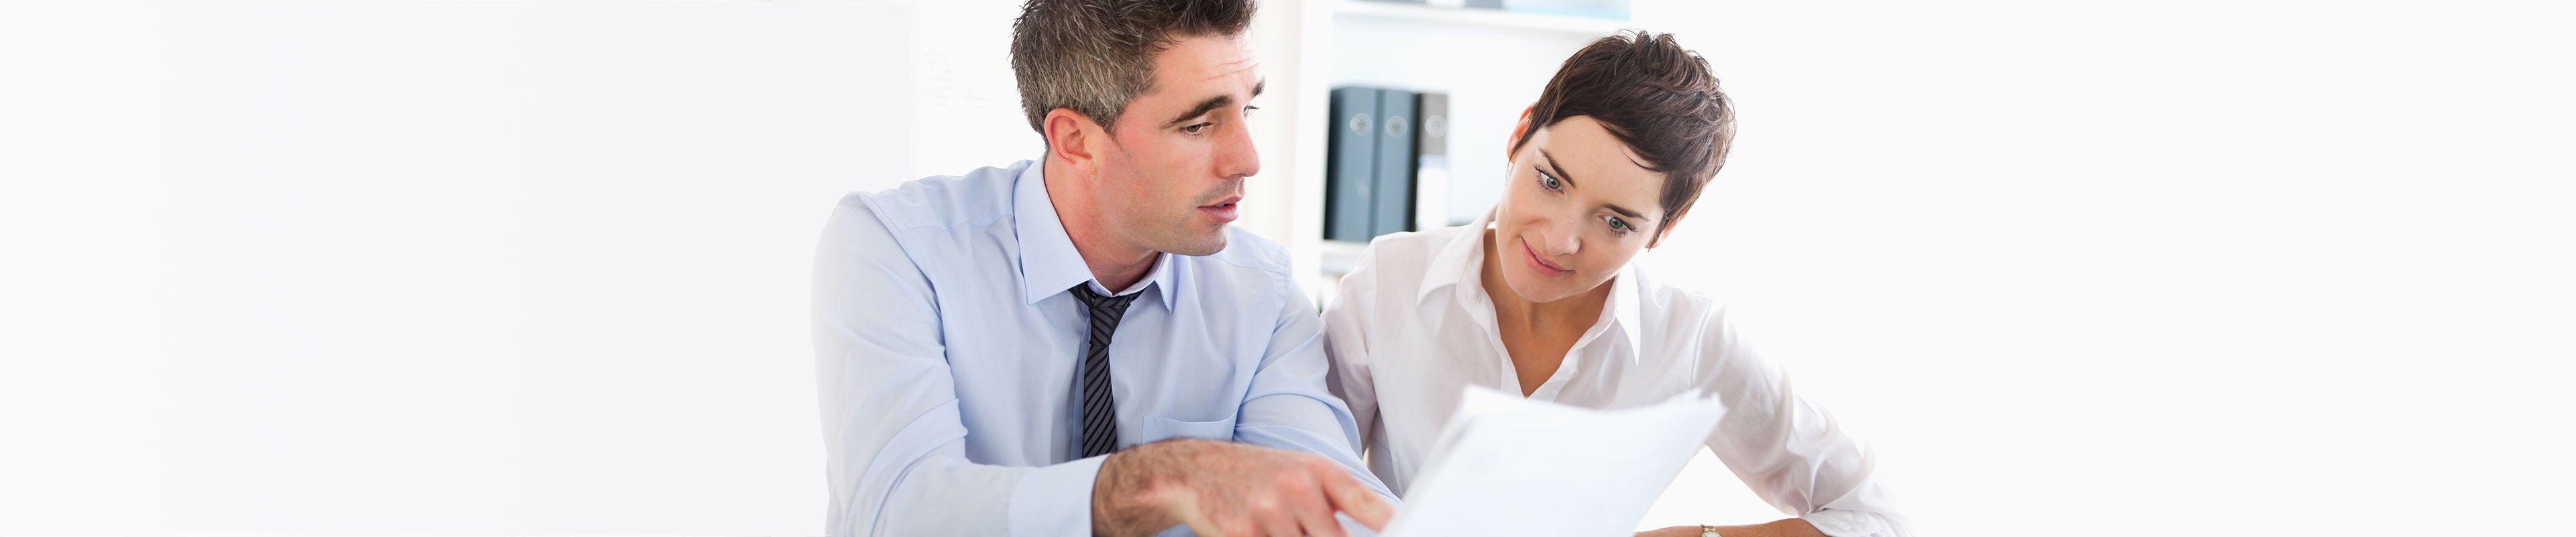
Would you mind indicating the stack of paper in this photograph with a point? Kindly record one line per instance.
(1506, 465)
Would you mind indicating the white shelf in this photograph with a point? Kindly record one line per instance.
(1339, 257)
(1483, 17)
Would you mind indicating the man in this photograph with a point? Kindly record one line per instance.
(1017, 349)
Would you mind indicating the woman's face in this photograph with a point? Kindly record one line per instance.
(1577, 205)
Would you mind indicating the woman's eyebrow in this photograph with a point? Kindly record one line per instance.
(1550, 161)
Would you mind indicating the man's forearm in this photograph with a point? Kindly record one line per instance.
(1126, 498)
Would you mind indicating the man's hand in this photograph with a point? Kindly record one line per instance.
(1227, 489)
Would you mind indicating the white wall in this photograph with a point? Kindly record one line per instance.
(426, 268)
(2273, 267)
(475, 268)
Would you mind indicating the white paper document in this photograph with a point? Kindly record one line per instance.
(1506, 465)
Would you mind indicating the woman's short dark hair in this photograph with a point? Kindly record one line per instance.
(1653, 95)
(1094, 56)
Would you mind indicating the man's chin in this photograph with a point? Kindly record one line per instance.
(1198, 246)
(1202, 250)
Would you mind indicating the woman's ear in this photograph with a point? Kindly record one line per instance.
(1666, 230)
(1518, 130)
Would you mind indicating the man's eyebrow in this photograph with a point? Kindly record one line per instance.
(1213, 103)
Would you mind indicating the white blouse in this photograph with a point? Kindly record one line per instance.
(1412, 327)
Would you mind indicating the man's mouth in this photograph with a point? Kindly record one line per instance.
(1223, 210)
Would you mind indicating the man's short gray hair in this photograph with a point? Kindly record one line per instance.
(1093, 56)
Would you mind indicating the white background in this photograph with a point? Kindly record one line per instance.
(504, 268)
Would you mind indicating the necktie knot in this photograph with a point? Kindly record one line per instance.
(1095, 300)
(1098, 303)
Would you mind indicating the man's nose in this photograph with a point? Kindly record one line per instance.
(1235, 155)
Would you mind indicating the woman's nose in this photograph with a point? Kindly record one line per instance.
(1558, 237)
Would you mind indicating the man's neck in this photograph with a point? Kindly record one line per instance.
(1115, 263)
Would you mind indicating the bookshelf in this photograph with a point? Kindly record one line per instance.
(1491, 63)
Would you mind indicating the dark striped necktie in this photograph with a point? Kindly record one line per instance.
(1099, 407)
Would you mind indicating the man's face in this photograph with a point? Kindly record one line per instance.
(1579, 205)
(1174, 171)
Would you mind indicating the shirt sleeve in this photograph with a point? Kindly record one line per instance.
(892, 433)
(1288, 406)
(1789, 451)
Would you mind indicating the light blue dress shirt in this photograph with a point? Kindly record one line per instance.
(947, 344)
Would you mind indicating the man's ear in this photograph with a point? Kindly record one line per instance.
(1075, 138)
(1518, 130)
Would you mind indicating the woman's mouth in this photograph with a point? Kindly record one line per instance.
(1540, 264)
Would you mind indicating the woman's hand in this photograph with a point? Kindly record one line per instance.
(1675, 531)
(1787, 527)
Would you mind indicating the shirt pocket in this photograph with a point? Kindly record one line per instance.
(1159, 428)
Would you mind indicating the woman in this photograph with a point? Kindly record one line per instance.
(1539, 297)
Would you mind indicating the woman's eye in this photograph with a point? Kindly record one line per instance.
(1549, 181)
(1617, 224)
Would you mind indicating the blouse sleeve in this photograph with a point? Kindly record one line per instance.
(1788, 450)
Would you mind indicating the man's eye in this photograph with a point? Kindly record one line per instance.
(1247, 111)
(1194, 129)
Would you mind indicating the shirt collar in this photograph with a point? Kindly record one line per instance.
(1048, 262)
(1462, 260)
(1457, 261)
(1628, 303)
(1161, 279)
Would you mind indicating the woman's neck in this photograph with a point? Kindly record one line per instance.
(1564, 318)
